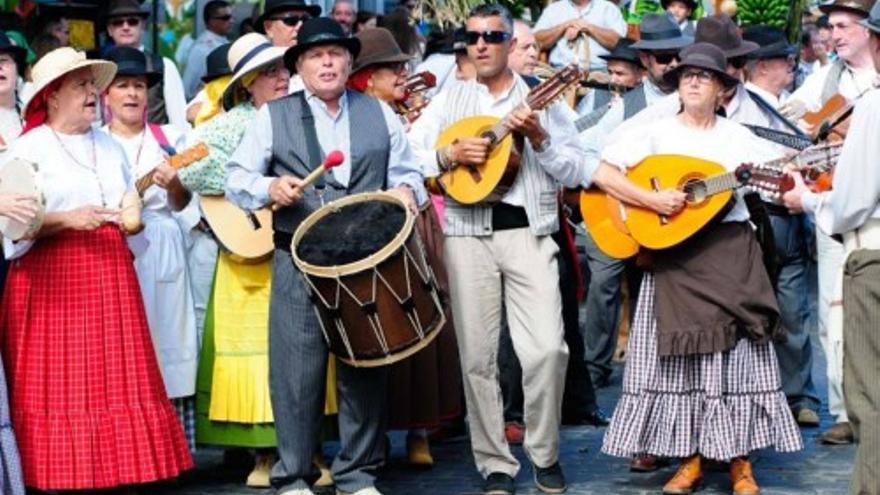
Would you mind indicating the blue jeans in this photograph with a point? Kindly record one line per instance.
(796, 353)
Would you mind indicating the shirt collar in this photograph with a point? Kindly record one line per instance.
(768, 97)
(507, 93)
(316, 102)
(582, 10)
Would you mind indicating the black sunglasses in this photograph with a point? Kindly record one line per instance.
(666, 58)
(291, 20)
(490, 37)
(224, 18)
(737, 62)
(131, 21)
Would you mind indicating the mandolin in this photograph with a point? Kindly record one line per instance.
(619, 230)
(815, 164)
(488, 182)
(177, 161)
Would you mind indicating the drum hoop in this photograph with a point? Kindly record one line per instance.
(370, 261)
(399, 356)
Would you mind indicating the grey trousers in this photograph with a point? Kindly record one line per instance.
(602, 310)
(297, 378)
(861, 365)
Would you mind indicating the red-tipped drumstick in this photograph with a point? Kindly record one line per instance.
(333, 159)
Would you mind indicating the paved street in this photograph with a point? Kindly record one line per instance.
(819, 469)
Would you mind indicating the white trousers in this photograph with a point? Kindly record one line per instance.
(830, 271)
(521, 268)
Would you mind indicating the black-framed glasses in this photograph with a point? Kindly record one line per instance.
(702, 75)
(292, 20)
(131, 21)
(224, 18)
(665, 58)
(737, 62)
(490, 37)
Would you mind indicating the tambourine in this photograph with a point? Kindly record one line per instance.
(19, 176)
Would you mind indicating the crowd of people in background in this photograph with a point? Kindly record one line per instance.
(126, 349)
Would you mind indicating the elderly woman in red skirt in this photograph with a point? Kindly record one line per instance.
(87, 399)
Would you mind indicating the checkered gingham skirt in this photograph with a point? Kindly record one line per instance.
(722, 405)
(88, 403)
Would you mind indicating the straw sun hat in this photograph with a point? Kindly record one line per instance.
(62, 61)
(251, 52)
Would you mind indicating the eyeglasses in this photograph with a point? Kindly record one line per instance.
(703, 76)
(737, 62)
(291, 20)
(665, 58)
(224, 18)
(490, 37)
(131, 21)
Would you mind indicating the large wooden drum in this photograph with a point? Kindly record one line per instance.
(375, 294)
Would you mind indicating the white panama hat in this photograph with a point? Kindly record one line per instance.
(62, 61)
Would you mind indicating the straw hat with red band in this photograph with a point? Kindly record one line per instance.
(48, 73)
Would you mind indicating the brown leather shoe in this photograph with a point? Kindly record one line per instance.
(418, 451)
(645, 463)
(743, 480)
(839, 434)
(687, 479)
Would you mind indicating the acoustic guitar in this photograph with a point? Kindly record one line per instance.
(489, 181)
(246, 235)
(836, 108)
(619, 230)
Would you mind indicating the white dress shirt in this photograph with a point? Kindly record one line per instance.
(248, 186)
(599, 12)
(855, 194)
(853, 83)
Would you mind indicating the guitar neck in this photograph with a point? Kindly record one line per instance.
(180, 160)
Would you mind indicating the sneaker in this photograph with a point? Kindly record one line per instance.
(499, 484)
(549, 479)
(515, 432)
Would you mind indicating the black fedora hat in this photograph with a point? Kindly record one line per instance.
(721, 31)
(704, 56)
(772, 41)
(217, 63)
(19, 54)
(132, 62)
(872, 22)
(691, 3)
(119, 8)
(275, 6)
(623, 51)
(658, 32)
(320, 31)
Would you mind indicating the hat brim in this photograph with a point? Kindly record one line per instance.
(610, 58)
(673, 76)
(262, 59)
(382, 59)
(353, 45)
(210, 77)
(827, 9)
(764, 53)
(313, 10)
(18, 53)
(867, 24)
(744, 49)
(665, 3)
(123, 13)
(103, 70)
(152, 77)
(667, 44)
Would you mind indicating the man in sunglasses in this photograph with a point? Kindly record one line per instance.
(505, 250)
(126, 21)
(218, 22)
(281, 20)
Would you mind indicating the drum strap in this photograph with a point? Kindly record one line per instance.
(313, 148)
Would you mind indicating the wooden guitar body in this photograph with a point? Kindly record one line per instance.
(602, 217)
(235, 229)
(660, 172)
(831, 111)
(487, 182)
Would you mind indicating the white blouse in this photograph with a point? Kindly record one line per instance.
(74, 170)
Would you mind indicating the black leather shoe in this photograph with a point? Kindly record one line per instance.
(499, 484)
(549, 479)
(596, 418)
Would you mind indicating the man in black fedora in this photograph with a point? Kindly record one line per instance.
(680, 11)
(282, 19)
(770, 68)
(289, 137)
(126, 21)
(625, 71)
(657, 52)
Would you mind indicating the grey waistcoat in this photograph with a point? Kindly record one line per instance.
(370, 145)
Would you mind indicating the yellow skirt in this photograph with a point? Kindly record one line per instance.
(240, 387)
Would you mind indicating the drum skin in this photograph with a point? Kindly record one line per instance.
(379, 310)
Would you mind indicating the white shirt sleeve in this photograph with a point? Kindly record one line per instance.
(246, 183)
(424, 132)
(175, 99)
(564, 158)
(810, 92)
(403, 167)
